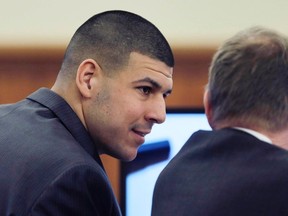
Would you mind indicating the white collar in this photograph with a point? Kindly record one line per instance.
(256, 134)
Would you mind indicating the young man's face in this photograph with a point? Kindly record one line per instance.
(125, 107)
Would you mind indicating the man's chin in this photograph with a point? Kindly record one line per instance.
(130, 156)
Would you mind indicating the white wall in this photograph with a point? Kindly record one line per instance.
(184, 22)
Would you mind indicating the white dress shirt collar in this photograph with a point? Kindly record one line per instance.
(256, 134)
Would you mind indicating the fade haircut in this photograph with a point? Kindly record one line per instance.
(248, 80)
(110, 37)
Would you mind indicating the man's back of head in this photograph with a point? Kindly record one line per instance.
(248, 81)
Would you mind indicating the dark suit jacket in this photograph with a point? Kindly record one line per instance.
(48, 162)
(224, 173)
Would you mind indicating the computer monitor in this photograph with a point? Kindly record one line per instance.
(138, 177)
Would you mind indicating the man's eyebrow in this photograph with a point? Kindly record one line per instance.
(153, 83)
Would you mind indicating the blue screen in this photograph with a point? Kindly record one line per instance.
(139, 176)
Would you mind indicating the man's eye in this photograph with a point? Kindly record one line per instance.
(146, 90)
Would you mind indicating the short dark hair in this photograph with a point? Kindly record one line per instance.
(111, 36)
(248, 79)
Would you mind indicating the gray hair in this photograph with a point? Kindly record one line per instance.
(248, 80)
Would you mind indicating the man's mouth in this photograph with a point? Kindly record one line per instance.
(142, 133)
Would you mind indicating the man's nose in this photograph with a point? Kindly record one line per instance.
(157, 112)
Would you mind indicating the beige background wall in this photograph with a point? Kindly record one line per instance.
(184, 22)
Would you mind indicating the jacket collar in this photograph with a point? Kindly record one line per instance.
(68, 117)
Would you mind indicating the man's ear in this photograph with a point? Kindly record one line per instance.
(87, 72)
(208, 107)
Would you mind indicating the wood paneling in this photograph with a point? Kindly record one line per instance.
(190, 77)
(23, 70)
